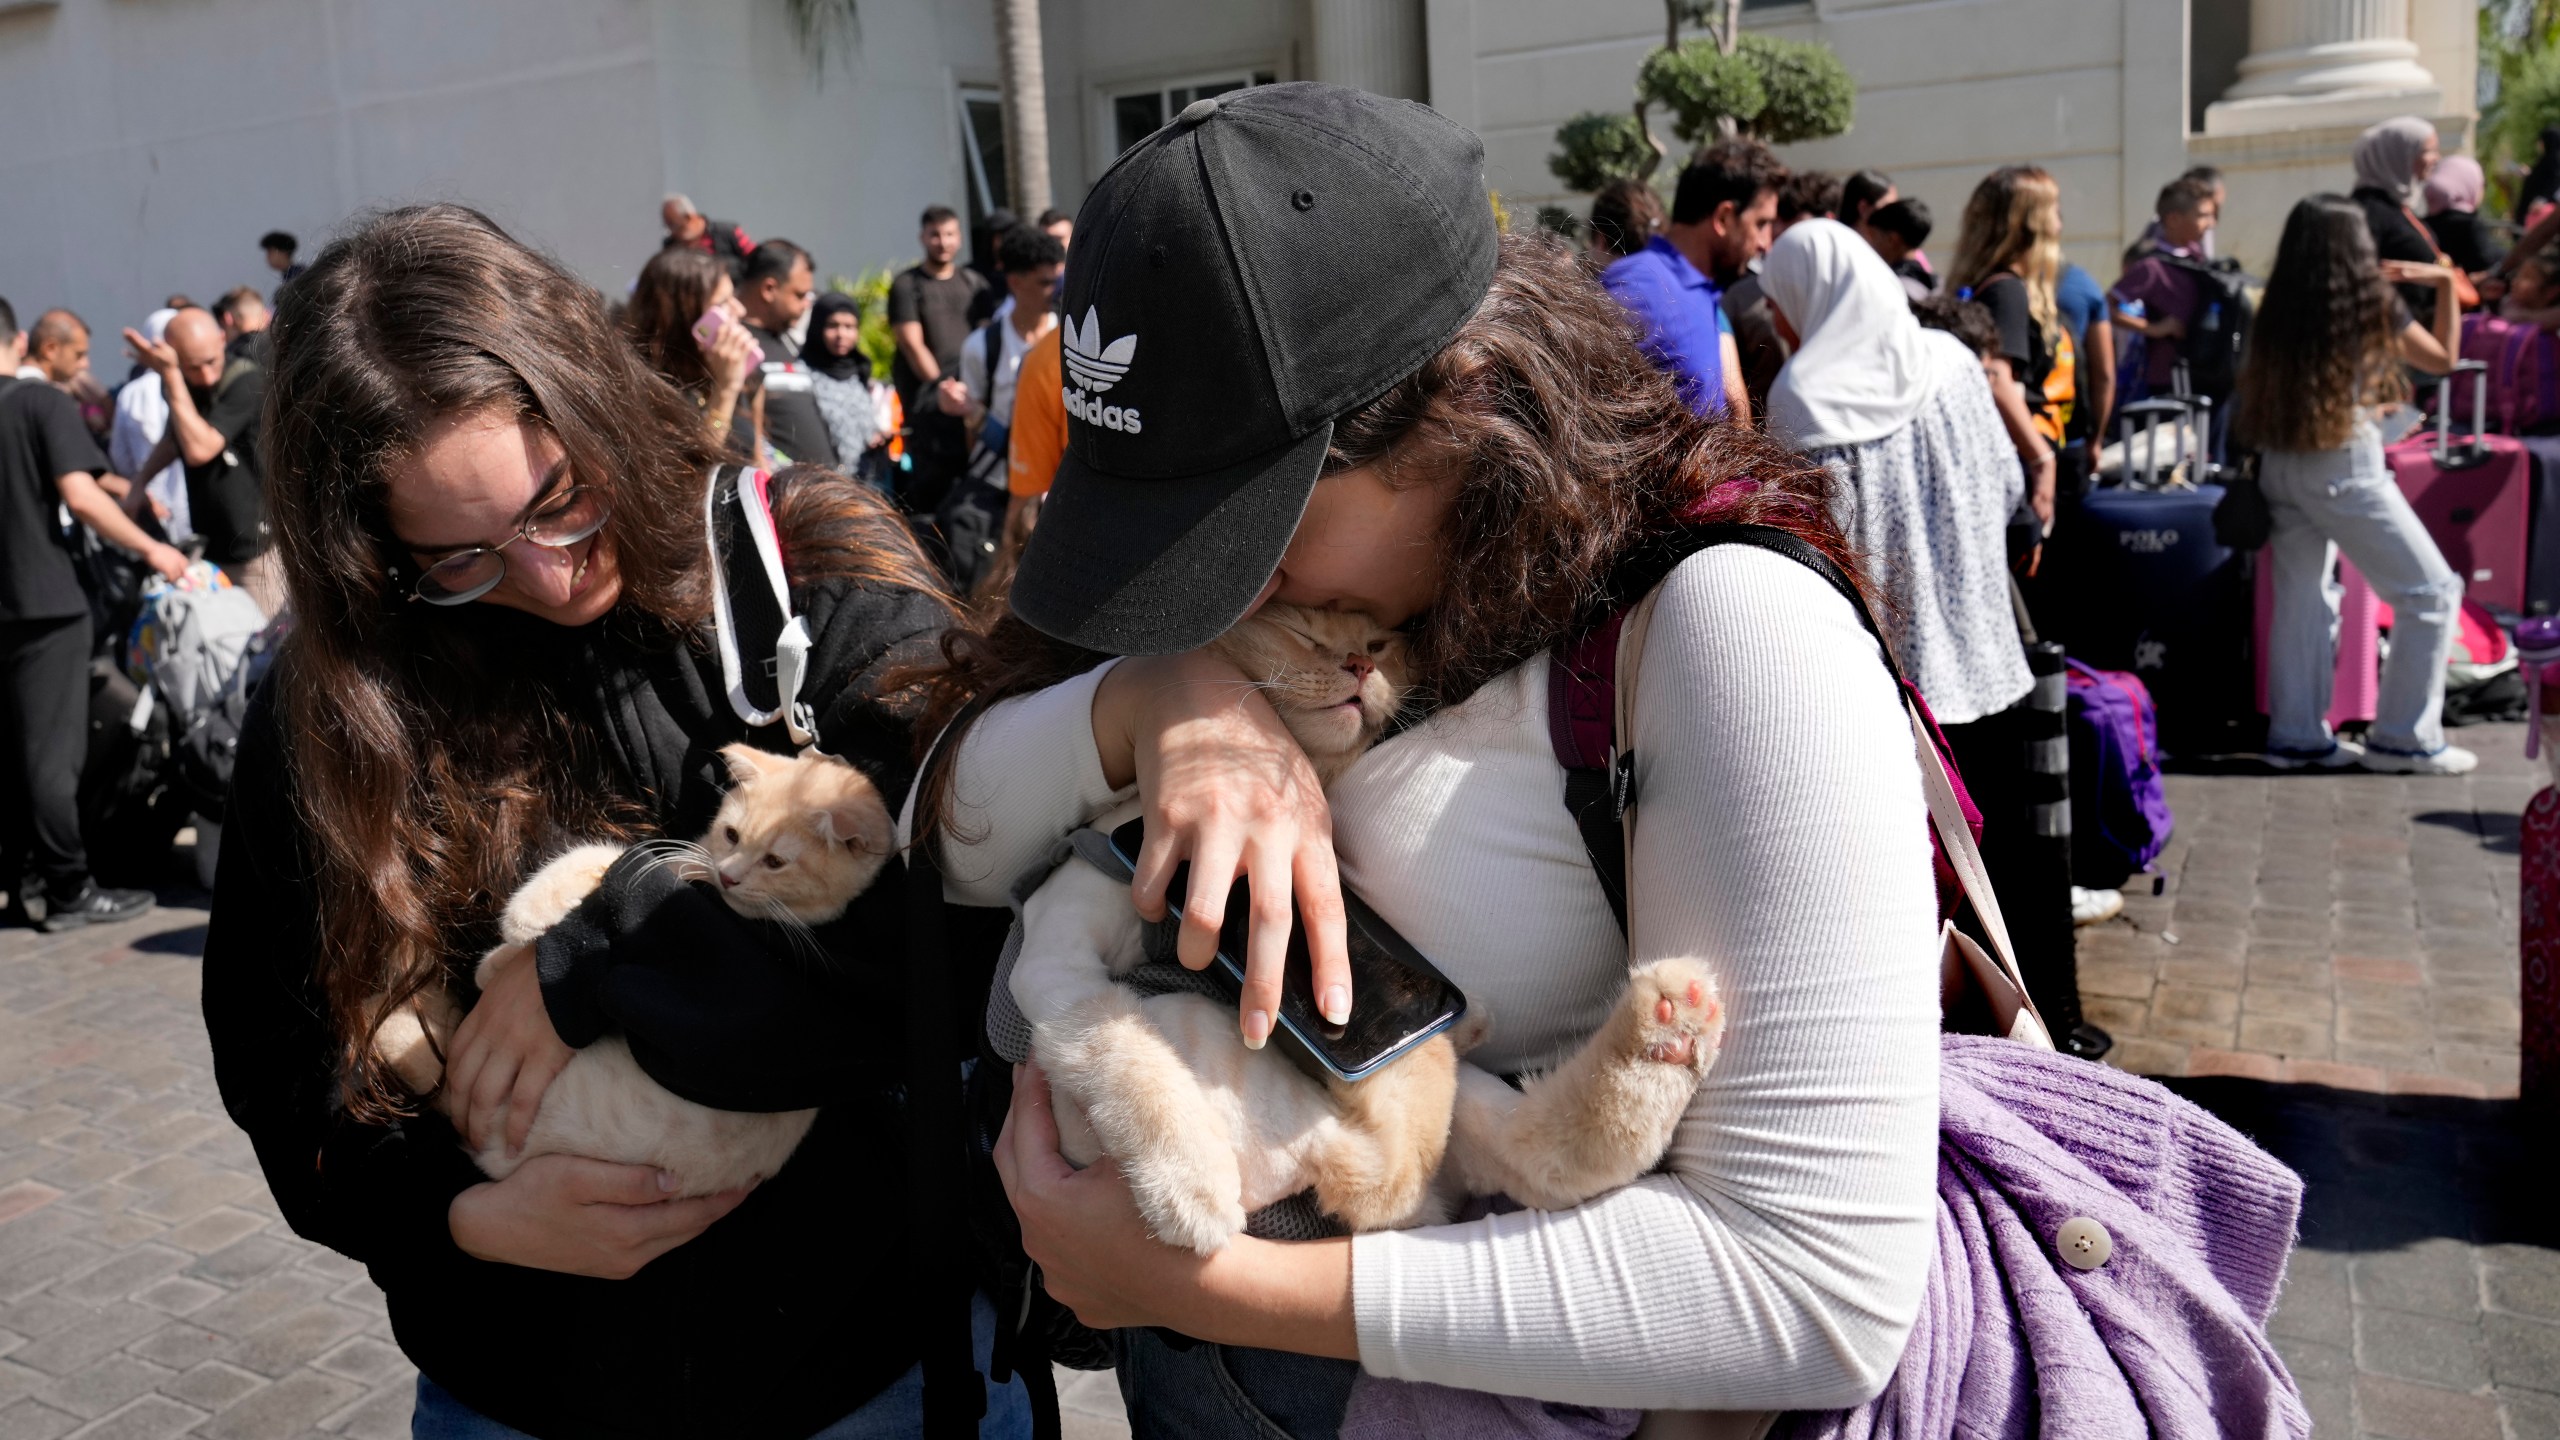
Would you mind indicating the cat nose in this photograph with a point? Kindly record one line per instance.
(1360, 666)
(728, 881)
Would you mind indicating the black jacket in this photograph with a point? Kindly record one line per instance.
(2398, 235)
(778, 1320)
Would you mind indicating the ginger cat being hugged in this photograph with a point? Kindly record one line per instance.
(1208, 1131)
(795, 841)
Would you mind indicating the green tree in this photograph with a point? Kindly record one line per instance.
(1721, 84)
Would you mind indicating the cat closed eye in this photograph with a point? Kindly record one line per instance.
(729, 833)
(773, 862)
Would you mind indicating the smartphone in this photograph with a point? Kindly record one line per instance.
(1398, 998)
(707, 329)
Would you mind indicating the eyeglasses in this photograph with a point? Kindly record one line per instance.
(558, 523)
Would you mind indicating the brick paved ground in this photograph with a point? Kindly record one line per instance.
(2341, 984)
(2333, 968)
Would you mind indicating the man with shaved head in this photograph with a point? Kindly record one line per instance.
(723, 240)
(57, 348)
(50, 463)
(214, 402)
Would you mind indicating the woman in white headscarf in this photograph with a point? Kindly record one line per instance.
(2393, 161)
(1924, 479)
(1924, 475)
(142, 412)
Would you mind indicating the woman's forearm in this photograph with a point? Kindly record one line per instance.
(1273, 1296)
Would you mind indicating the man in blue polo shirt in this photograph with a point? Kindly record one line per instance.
(1721, 217)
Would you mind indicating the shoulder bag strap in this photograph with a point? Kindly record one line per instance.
(1946, 814)
(764, 647)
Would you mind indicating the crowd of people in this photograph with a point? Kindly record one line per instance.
(1464, 435)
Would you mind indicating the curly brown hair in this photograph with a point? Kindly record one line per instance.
(2321, 345)
(1573, 455)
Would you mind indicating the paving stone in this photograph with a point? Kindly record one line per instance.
(2390, 1409)
(2522, 1352)
(245, 1260)
(283, 1408)
(153, 1417)
(215, 1229)
(2438, 1277)
(133, 1270)
(105, 1386)
(245, 1310)
(179, 1295)
(213, 1385)
(382, 1415)
(179, 1345)
(28, 1420)
(75, 1346)
(2522, 1279)
(2420, 1348)
(366, 1361)
(296, 1339)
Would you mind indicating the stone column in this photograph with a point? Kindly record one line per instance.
(2325, 62)
(1373, 45)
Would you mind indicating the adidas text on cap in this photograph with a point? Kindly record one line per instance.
(1272, 260)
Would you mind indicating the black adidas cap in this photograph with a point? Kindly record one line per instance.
(1275, 258)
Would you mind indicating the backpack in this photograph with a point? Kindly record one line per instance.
(2120, 811)
(201, 644)
(970, 520)
(2523, 375)
(2221, 327)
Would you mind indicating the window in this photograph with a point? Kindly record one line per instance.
(982, 139)
(1137, 114)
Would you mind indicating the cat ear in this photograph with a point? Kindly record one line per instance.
(860, 821)
(746, 763)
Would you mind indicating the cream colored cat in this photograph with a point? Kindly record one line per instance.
(1208, 1131)
(795, 841)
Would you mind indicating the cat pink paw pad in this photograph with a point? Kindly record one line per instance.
(1684, 1014)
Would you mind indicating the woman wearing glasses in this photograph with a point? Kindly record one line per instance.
(490, 514)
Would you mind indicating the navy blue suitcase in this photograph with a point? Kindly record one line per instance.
(2141, 585)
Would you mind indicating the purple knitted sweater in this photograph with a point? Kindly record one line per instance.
(2167, 1338)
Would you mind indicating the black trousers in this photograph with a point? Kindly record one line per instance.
(44, 735)
(2030, 871)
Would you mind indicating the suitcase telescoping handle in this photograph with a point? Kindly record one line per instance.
(2150, 415)
(2471, 449)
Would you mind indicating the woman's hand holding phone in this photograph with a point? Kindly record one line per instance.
(730, 353)
(1228, 791)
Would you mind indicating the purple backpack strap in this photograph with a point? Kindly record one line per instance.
(1582, 718)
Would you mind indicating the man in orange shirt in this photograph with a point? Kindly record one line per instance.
(1039, 435)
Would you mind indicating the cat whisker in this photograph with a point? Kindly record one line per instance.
(796, 932)
(689, 860)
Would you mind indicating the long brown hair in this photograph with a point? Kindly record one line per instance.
(433, 752)
(2013, 223)
(2322, 343)
(675, 287)
(1572, 452)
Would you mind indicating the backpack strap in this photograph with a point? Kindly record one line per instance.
(764, 647)
(1606, 679)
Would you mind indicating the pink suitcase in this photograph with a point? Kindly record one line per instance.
(2473, 494)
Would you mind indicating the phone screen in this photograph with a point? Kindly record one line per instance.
(1398, 998)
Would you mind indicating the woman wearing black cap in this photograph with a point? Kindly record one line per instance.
(1302, 364)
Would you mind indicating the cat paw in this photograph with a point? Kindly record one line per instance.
(1678, 1020)
(1184, 1208)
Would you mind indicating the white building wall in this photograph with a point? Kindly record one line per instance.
(150, 145)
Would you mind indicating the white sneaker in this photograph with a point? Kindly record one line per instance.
(2341, 755)
(2443, 760)
(2095, 907)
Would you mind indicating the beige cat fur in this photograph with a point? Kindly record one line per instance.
(1208, 1131)
(795, 840)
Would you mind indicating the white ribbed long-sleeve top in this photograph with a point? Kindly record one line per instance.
(1776, 1260)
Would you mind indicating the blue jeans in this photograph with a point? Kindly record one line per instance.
(1208, 1392)
(892, 1414)
(2345, 499)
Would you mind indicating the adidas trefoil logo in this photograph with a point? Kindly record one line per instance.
(1096, 367)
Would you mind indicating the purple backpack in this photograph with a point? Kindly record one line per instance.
(2119, 813)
